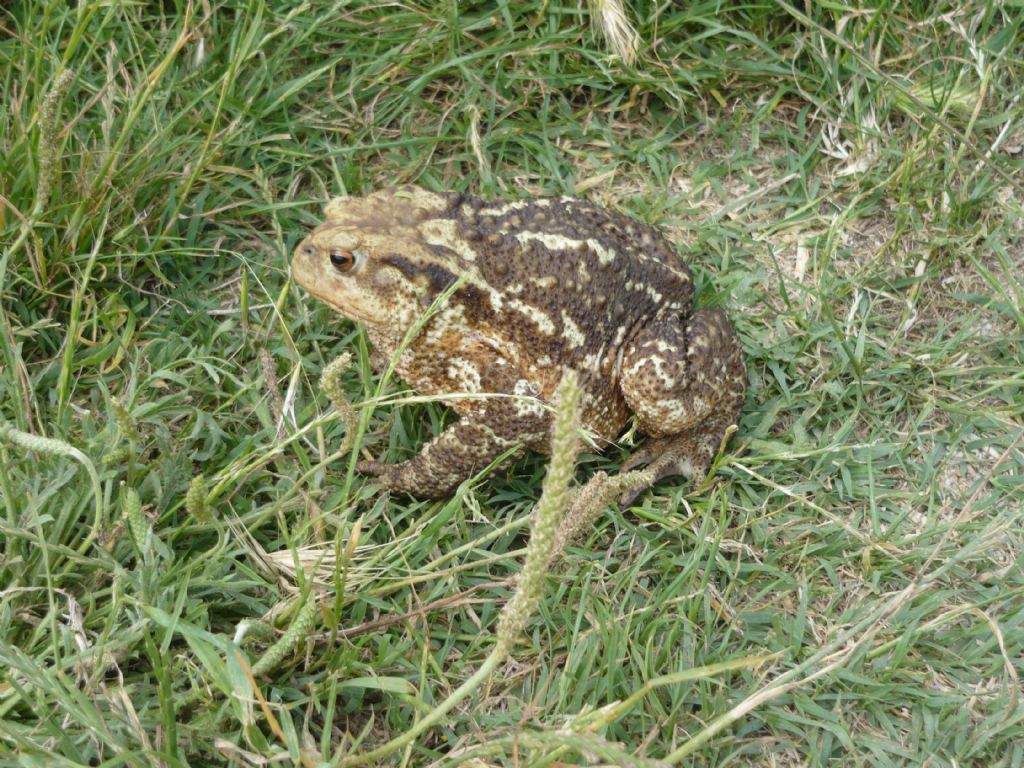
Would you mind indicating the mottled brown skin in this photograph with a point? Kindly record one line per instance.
(546, 285)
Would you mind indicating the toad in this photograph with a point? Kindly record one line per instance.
(535, 287)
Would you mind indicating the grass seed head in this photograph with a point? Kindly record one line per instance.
(612, 21)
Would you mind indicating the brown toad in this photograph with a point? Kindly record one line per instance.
(546, 285)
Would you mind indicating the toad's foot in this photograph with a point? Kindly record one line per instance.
(688, 454)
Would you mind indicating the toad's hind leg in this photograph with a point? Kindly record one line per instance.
(685, 383)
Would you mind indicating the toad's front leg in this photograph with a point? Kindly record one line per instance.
(464, 449)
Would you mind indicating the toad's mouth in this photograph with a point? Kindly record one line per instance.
(345, 310)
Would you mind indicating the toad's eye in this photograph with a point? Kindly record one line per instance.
(342, 260)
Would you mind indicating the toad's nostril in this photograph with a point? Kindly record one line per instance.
(307, 249)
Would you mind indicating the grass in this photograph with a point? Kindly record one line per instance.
(848, 183)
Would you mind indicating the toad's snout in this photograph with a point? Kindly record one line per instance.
(305, 248)
(303, 263)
